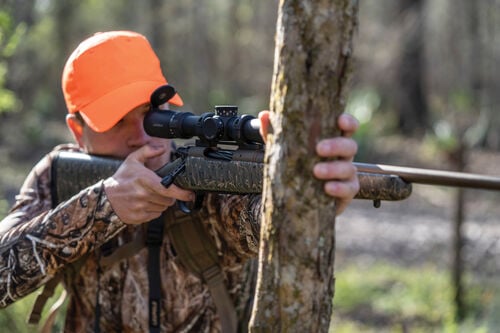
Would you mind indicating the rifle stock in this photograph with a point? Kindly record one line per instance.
(72, 172)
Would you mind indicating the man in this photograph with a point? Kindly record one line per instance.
(107, 82)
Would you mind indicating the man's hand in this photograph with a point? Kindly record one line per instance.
(339, 172)
(135, 192)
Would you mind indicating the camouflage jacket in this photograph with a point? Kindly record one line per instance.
(38, 241)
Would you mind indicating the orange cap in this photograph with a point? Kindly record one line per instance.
(108, 75)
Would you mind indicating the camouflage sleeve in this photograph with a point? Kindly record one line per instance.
(234, 223)
(36, 241)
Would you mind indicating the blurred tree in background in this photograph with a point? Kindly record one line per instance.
(423, 69)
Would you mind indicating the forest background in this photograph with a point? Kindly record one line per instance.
(425, 89)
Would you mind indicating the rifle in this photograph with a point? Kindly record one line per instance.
(228, 157)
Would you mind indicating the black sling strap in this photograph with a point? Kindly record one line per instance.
(154, 239)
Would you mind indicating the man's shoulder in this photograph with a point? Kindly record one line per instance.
(41, 172)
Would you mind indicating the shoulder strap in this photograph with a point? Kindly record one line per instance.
(41, 299)
(197, 252)
(49, 323)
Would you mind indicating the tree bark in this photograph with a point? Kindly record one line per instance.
(312, 65)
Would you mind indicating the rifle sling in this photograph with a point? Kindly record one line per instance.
(197, 252)
(49, 323)
(124, 251)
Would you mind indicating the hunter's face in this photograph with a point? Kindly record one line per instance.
(122, 139)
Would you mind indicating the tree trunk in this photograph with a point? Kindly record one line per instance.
(312, 65)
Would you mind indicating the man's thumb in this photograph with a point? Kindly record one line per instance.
(147, 152)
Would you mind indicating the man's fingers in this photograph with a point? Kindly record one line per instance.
(339, 147)
(343, 192)
(347, 124)
(172, 191)
(143, 154)
(339, 189)
(136, 194)
(340, 170)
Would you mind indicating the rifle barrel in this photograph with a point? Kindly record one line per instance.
(434, 177)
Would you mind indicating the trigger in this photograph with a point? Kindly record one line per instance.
(183, 205)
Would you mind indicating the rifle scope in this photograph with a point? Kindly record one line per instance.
(223, 126)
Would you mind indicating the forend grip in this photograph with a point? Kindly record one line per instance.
(374, 186)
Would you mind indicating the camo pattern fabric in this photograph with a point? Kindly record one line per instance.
(37, 242)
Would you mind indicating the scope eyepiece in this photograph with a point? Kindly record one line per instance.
(162, 95)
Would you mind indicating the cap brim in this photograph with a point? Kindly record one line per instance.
(105, 112)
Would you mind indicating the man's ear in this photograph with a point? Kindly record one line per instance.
(76, 128)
